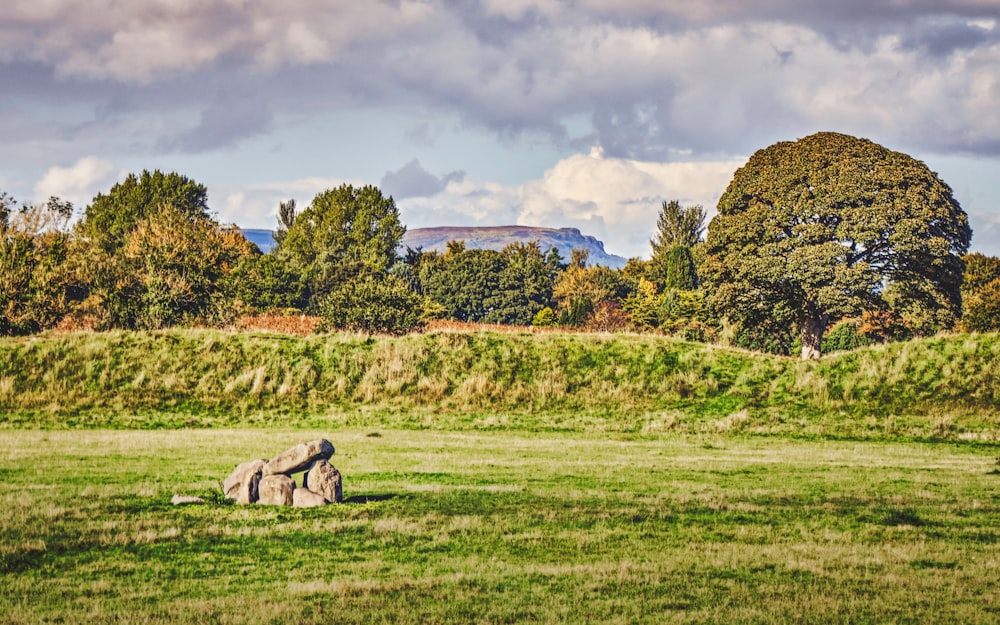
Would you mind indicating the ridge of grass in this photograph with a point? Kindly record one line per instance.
(936, 388)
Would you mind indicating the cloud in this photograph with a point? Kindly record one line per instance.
(224, 123)
(985, 232)
(614, 199)
(412, 180)
(256, 206)
(719, 78)
(78, 183)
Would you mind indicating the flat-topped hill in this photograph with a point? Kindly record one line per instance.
(498, 237)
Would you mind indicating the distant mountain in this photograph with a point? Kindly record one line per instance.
(264, 239)
(497, 237)
(485, 237)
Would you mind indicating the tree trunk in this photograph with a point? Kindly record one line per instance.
(812, 336)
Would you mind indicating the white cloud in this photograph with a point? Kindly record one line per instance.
(257, 205)
(78, 183)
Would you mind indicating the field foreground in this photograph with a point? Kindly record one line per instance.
(501, 527)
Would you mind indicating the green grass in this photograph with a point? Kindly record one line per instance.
(933, 389)
(501, 527)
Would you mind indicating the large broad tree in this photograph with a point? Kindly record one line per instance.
(175, 271)
(822, 227)
(111, 216)
(98, 245)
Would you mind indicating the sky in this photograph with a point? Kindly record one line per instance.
(554, 113)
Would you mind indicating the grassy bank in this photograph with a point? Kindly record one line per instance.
(934, 388)
(501, 527)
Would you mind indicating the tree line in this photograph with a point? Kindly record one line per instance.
(829, 242)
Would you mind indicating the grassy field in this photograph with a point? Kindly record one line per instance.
(945, 388)
(502, 527)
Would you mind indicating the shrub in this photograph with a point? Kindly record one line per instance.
(373, 305)
(545, 318)
(844, 336)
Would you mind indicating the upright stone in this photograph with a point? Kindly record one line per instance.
(276, 490)
(299, 457)
(305, 498)
(241, 484)
(324, 478)
(249, 490)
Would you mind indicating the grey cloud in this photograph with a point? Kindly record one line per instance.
(944, 38)
(494, 30)
(224, 123)
(985, 232)
(412, 180)
(626, 65)
(422, 135)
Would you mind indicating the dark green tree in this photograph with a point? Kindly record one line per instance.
(101, 264)
(265, 282)
(466, 282)
(813, 230)
(509, 286)
(676, 227)
(344, 232)
(286, 219)
(373, 304)
(525, 284)
(680, 272)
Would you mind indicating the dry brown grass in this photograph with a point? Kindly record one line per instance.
(295, 324)
(451, 325)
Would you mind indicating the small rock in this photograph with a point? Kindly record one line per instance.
(305, 498)
(238, 479)
(324, 478)
(299, 457)
(276, 490)
(180, 500)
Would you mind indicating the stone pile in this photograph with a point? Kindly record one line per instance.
(270, 481)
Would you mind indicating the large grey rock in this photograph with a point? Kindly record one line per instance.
(243, 480)
(276, 490)
(324, 478)
(305, 498)
(299, 457)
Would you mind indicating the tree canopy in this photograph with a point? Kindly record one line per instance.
(509, 286)
(343, 232)
(34, 285)
(817, 228)
(677, 225)
(981, 293)
(110, 217)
